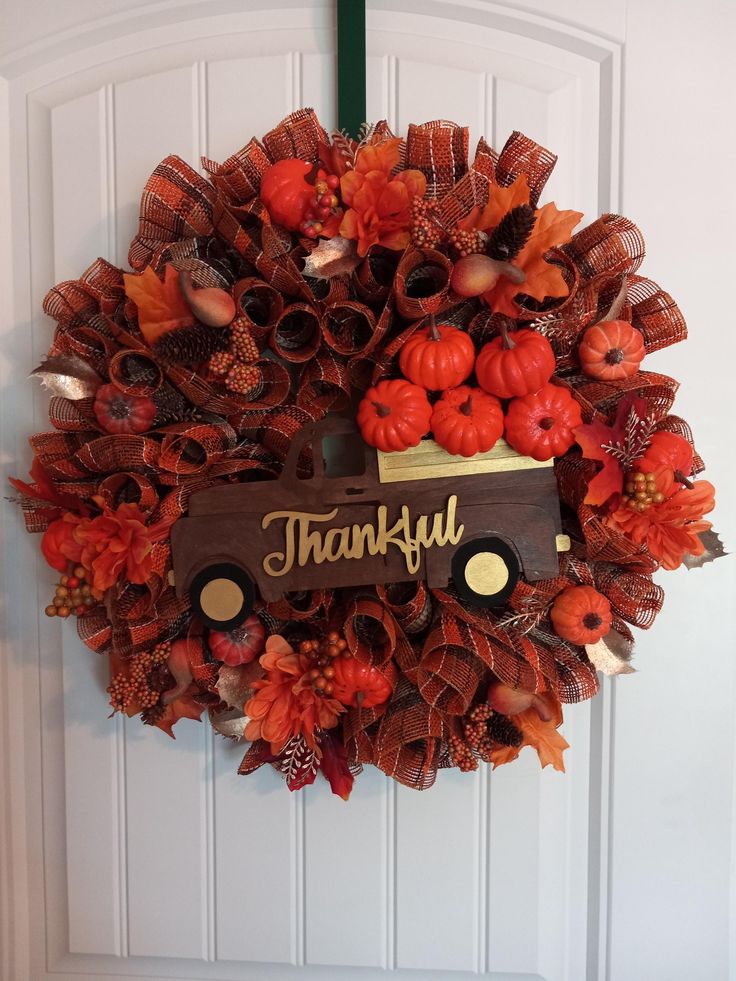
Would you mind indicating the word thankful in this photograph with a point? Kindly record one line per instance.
(304, 543)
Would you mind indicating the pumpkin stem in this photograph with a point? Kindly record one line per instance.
(508, 342)
(546, 423)
(433, 329)
(682, 479)
(359, 698)
(614, 356)
(467, 406)
(381, 410)
(591, 621)
(615, 308)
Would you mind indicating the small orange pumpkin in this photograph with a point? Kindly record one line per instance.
(119, 412)
(240, 645)
(285, 192)
(515, 364)
(467, 421)
(667, 450)
(581, 615)
(394, 415)
(437, 357)
(611, 350)
(359, 685)
(542, 425)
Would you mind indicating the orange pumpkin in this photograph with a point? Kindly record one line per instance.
(238, 646)
(437, 357)
(667, 450)
(119, 412)
(611, 350)
(581, 615)
(542, 425)
(285, 192)
(359, 685)
(394, 415)
(515, 364)
(467, 421)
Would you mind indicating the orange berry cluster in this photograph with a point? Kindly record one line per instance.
(640, 491)
(142, 681)
(426, 231)
(323, 653)
(325, 202)
(475, 742)
(468, 241)
(73, 596)
(235, 365)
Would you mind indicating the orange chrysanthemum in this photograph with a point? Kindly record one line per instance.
(377, 203)
(670, 530)
(114, 544)
(285, 703)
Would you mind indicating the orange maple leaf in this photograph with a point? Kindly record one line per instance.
(184, 707)
(500, 202)
(594, 437)
(543, 736)
(161, 306)
(552, 228)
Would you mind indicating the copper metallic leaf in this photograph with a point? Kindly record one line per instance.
(611, 654)
(234, 684)
(230, 723)
(714, 549)
(68, 376)
(332, 257)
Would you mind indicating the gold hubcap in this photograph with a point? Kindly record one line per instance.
(486, 573)
(221, 599)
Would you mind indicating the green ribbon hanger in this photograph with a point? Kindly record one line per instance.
(351, 112)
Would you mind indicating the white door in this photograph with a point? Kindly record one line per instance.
(127, 855)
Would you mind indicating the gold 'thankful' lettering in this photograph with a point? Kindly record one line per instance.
(304, 543)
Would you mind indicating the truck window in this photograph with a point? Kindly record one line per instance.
(344, 455)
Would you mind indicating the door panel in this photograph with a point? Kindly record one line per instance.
(139, 856)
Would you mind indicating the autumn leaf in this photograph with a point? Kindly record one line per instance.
(334, 766)
(542, 736)
(332, 257)
(68, 376)
(594, 437)
(611, 654)
(551, 228)
(44, 489)
(501, 201)
(161, 306)
(713, 548)
(181, 708)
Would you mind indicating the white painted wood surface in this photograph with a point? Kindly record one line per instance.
(127, 855)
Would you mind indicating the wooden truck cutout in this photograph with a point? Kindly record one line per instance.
(420, 514)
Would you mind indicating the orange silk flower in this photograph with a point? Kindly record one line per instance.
(669, 530)
(377, 203)
(285, 703)
(116, 543)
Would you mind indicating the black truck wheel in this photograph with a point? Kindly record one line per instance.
(485, 571)
(222, 595)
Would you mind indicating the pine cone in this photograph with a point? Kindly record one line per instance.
(512, 233)
(171, 406)
(502, 730)
(191, 345)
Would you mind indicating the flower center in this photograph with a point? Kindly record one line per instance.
(591, 621)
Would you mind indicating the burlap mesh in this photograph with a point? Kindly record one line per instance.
(437, 654)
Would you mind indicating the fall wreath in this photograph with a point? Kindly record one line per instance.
(388, 282)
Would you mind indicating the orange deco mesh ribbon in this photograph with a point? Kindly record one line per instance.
(318, 340)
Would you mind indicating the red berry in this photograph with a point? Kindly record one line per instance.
(79, 610)
(72, 582)
(333, 181)
(311, 232)
(323, 213)
(326, 200)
